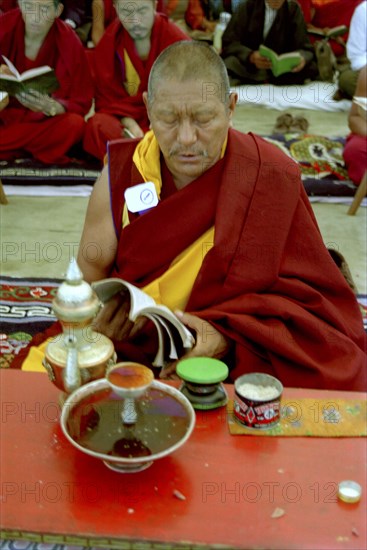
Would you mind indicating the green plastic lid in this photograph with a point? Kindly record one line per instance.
(202, 370)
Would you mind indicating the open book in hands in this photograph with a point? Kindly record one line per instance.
(42, 79)
(334, 32)
(283, 63)
(170, 329)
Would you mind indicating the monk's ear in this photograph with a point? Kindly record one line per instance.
(233, 97)
(145, 99)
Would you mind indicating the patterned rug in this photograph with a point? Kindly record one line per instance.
(27, 171)
(25, 311)
(321, 163)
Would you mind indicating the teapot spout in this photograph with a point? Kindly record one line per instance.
(72, 377)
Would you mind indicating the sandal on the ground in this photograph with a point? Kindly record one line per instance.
(299, 125)
(283, 123)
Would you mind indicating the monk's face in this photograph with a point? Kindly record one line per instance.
(39, 15)
(275, 4)
(190, 122)
(136, 16)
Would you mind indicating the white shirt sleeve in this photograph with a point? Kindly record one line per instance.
(357, 40)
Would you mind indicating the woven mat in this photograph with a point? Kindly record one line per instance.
(311, 418)
(25, 311)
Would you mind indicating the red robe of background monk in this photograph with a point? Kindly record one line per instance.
(45, 126)
(121, 65)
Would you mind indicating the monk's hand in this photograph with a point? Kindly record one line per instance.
(300, 66)
(113, 319)
(209, 342)
(259, 61)
(4, 102)
(4, 69)
(130, 128)
(208, 26)
(40, 103)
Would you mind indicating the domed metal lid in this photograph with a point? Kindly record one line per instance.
(75, 299)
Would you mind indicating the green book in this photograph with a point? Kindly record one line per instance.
(42, 79)
(282, 63)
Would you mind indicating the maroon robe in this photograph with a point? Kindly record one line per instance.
(7, 5)
(112, 100)
(269, 283)
(355, 156)
(109, 12)
(46, 138)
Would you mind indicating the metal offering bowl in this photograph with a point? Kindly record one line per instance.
(91, 420)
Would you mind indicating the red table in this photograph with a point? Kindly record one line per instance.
(233, 484)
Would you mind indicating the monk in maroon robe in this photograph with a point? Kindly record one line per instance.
(324, 16)
(122, 62)
(45, 125)
(265, 294)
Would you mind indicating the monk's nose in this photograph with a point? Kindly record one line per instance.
(186, 133)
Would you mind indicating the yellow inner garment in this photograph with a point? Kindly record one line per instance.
(132, 81)
(174, 286)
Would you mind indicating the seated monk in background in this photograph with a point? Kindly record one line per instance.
(355, 150)
(278, 24)
(103, 13)
(41, 124)
(323, 16)
(233, 241)
(204, 14)
(122, 62)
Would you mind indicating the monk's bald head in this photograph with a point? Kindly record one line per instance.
(190, 60)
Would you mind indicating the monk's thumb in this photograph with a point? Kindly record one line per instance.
(186, 318)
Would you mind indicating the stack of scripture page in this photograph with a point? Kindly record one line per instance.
(170, 330)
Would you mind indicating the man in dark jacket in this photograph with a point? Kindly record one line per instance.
(278, 24)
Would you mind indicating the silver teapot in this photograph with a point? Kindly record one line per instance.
(79, 354)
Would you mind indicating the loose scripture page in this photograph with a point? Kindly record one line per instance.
(163, 311)
(12, 69)
(107, 288)
(30, 73)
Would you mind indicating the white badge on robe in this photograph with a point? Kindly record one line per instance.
(141, 197)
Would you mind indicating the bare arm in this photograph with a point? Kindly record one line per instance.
(357, 119)
(98, 244)
(4, 102)
(97, 21)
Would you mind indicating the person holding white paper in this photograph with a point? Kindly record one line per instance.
(356, 51)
